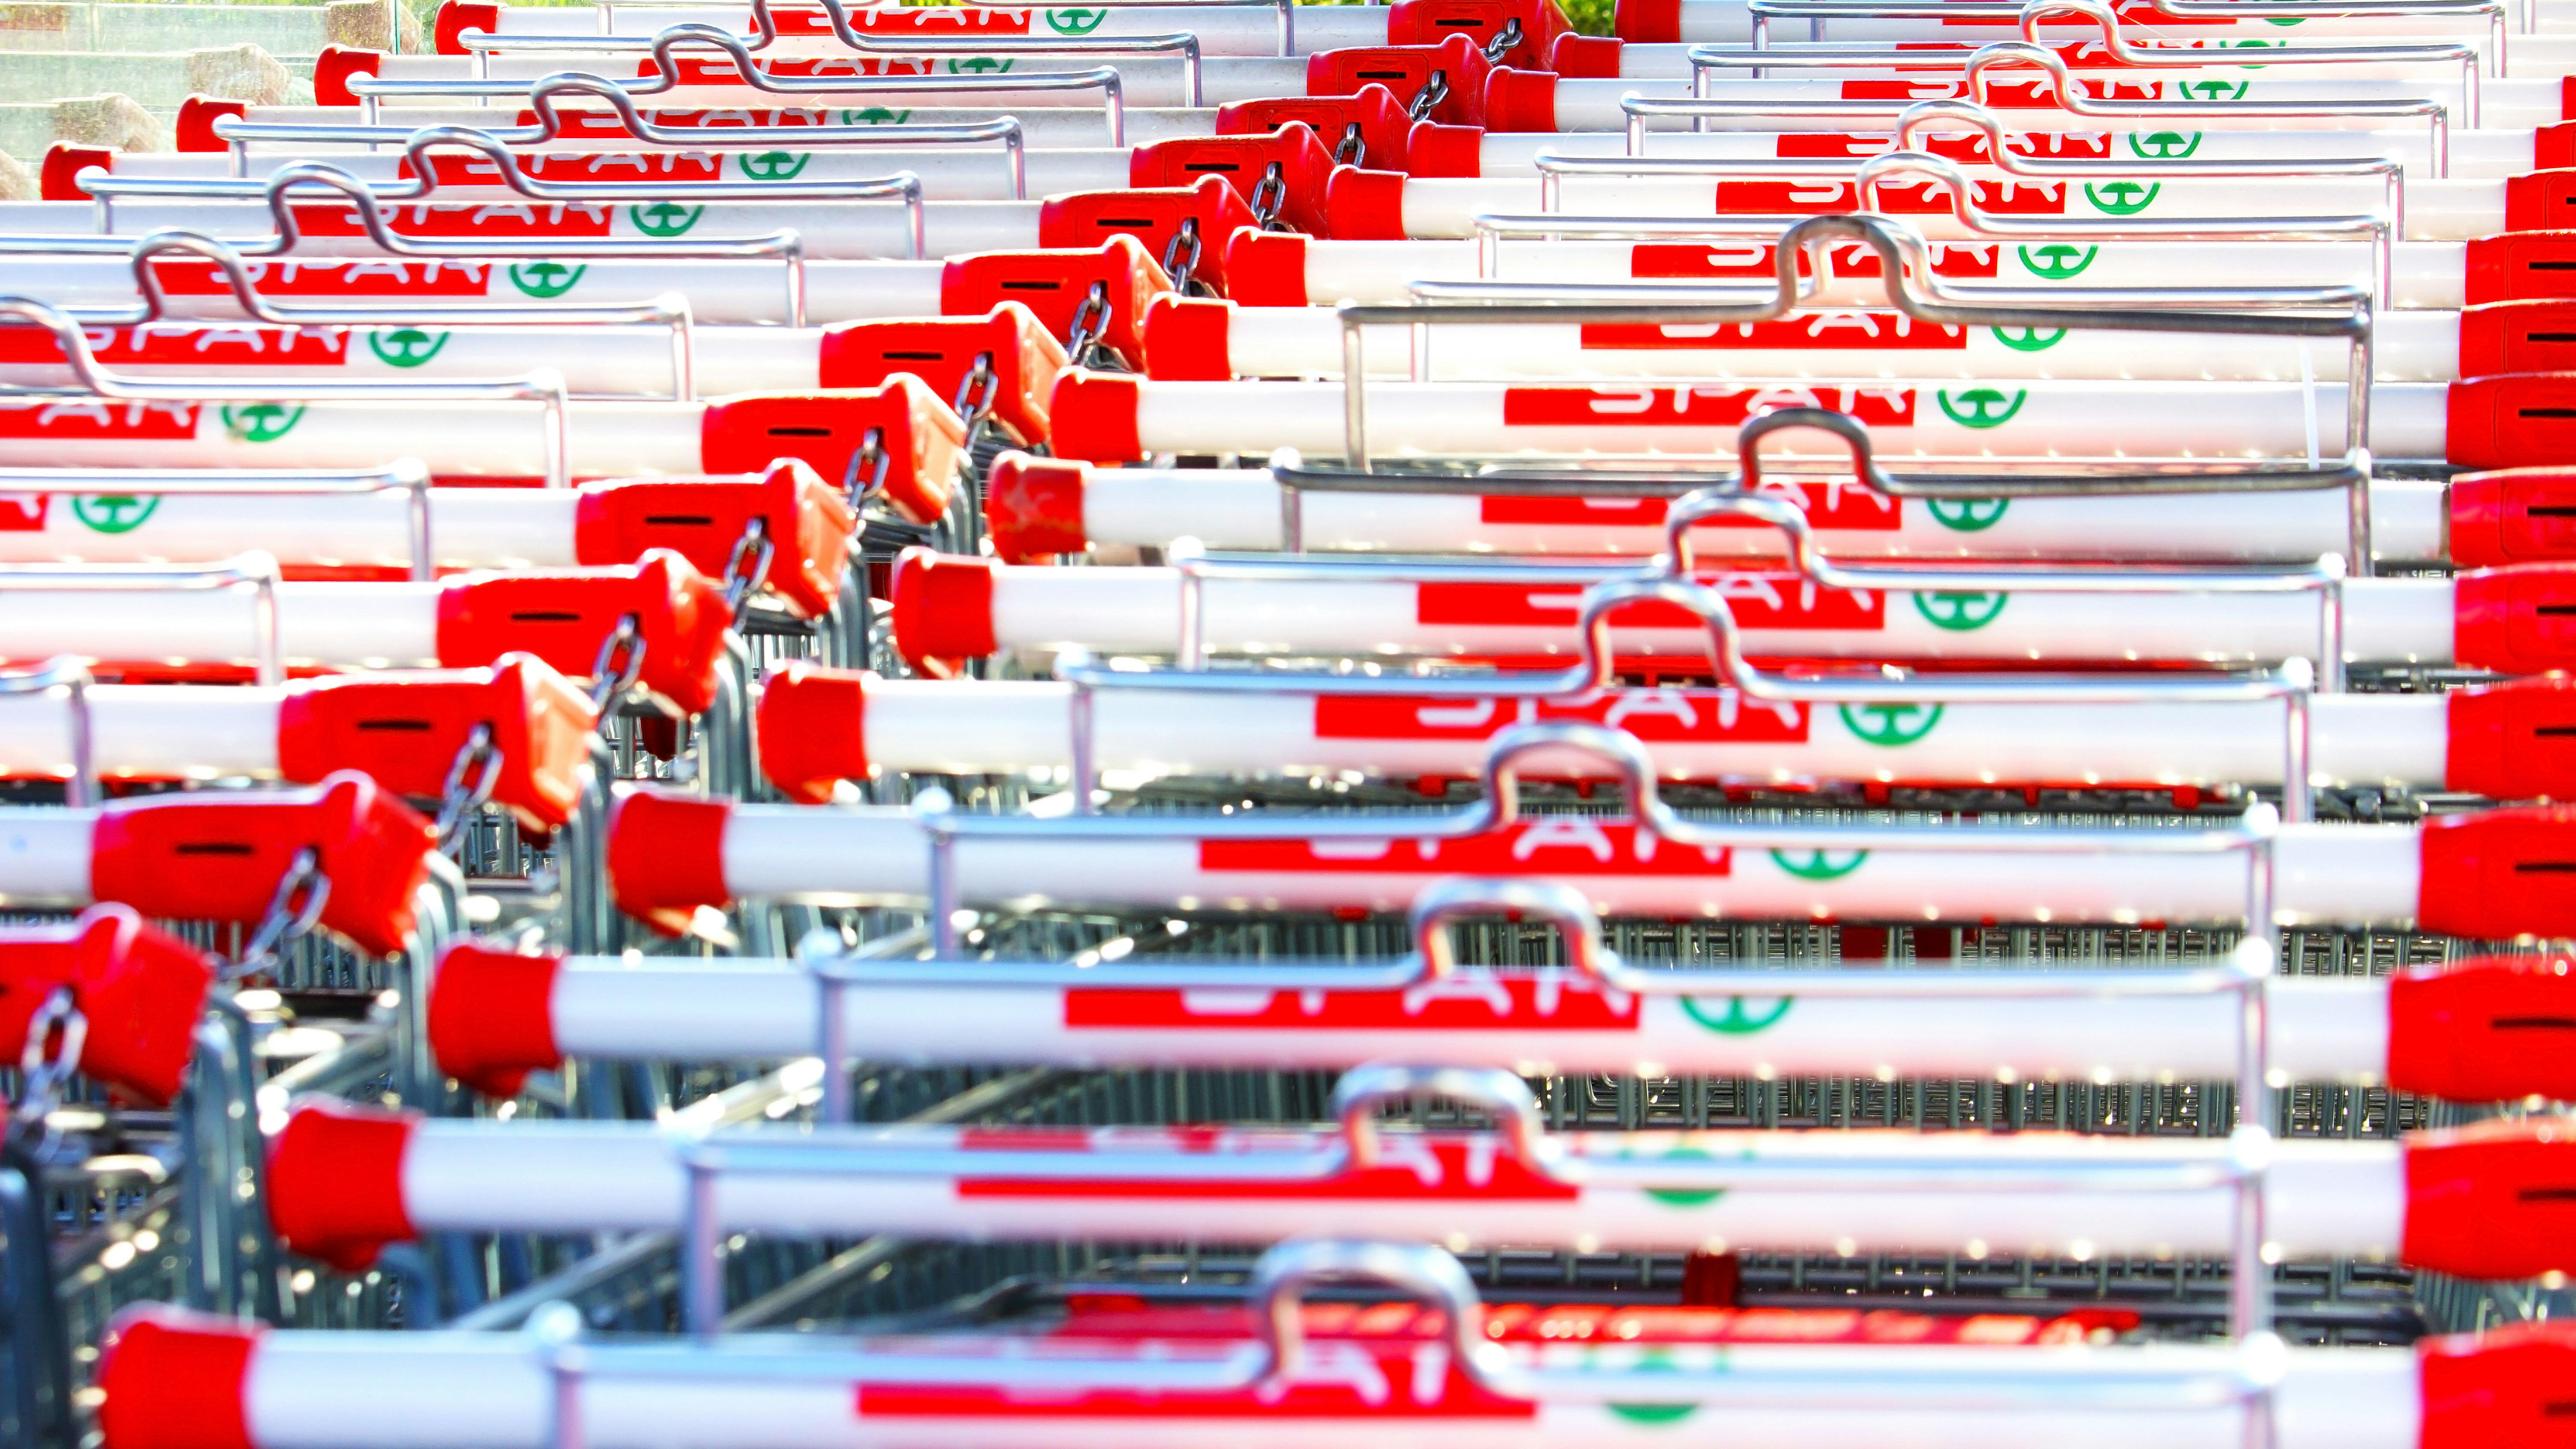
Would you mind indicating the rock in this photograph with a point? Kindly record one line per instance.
(361, 23)
(17, 183)
(114, 120)
(239, 73)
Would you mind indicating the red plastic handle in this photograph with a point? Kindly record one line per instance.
(825, 430)
(139, 988)
(942, 610)
(2513, 741)
(57, 178)
(2536, 335)
(2512, 420)
(1405, 70)
(195, 129)
(812, 728)
(1242, 162)
(1429, 22)
(666, 854)
(1033, 506)
(491, 1017)
(1145, 220)
(2516, 266)
(2494, 1199)
(174, 1378)
(219, 857)
(1384, 126)
(2484, 1030)
(2515, 620)
(941, 351)
(2510, 1386)
(2513, 515)
(705, 519)
(406, 727)
(335, 1182)
(563, 616)
(2498, 874)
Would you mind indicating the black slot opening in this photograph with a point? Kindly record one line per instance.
(411, 726)
(913, 356)
(2534, 1023)
(2551, 266)
(800, 432)
(545, 616)
(1368, 75)
(2544, 867)
(2546, 413)
(2551, 510)
(215, 847)
(678, 520)
(2548, 1194)
(1211, 166)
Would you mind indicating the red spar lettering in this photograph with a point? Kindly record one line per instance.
(1413, 1169)
(334, 278)
(226, 344)
(552, 219)
(1573, 845)
(1667, 716)
(2005, 197)
(1337, 1379)
(1456, 1003)
(1695, 405)
(1754, 260)
(1811, 332)
(70, 421)
(1761, 599)
(1833, 505)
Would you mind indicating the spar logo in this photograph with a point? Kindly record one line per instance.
(406, 346)
(1479, 1001)
(545, 279)
(978, 65)
(1667, 715)
(875, 116)
(1967, 515)
(261, 422)
(1981, 407)
(775, 165)
(1890, 725)
(1740, 1018)
(2030, 340)
(1075, 22)
(2164, 145)
(2058, 261)
(1959, 612)
(2212, 90)
(2123, 198)
(665, 218)
(1696, 405)
(113, 512)
(1819, 864)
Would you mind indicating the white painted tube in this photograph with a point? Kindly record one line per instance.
(1251, 1185)
(719, 292)
(2509, 104)
(1221, 29)
(1291, 342)
(1136, 610)
(1240, 509)
(307, 1389)
(2322, 1029)
(2484, 153)
(2427, 274)
(2033, 418)
(969, 727)
(850, 230)
(948, 173)
(2452, 210)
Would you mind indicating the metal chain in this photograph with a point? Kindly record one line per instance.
(287, 919)
(1434, 91)
(981, 387)
(1270, 197)
(1089, 321)
(471, 777)
(748, 566)
(1353, 148)
(623, 649)
(1501, 44)
(56, 1034)
(1177, 266)
(873, 458)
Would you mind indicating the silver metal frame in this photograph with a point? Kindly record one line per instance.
(544, 386)
(424, 184)
(1006, 130)
(255, 571)
(1287, 10)
(1975, 77)
(71, 675)
(1817, 12)
(372, 91)
(406, 475)
(482, 45)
